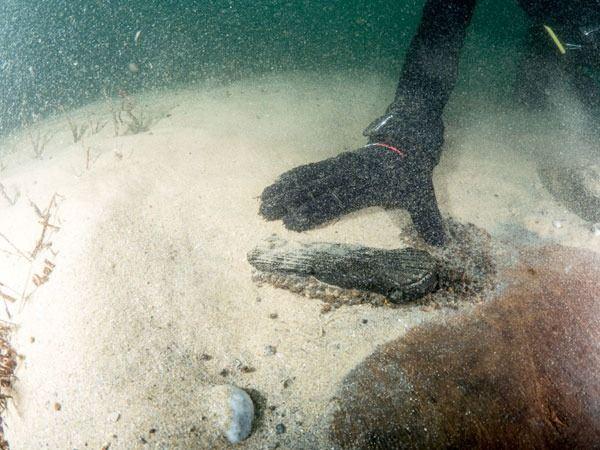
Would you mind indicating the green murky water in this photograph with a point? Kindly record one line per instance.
(63, 53)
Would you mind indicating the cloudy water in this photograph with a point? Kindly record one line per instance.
(200, 246)
(68, 53)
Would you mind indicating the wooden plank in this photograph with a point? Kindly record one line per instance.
(400, 274)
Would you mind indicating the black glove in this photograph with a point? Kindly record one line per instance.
(393, 171)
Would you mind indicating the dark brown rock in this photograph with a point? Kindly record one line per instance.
(521, 371)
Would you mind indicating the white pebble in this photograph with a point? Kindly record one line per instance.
(232, 411)
(596, 229)
(557, 224)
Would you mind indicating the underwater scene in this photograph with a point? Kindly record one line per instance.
(299, 224)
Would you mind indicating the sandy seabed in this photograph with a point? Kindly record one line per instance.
(126, 257)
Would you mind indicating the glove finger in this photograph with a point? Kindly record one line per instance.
(313, 213)
(426, 216)
(272, 207)
(293, 188)
(273, 204)
(302, 185)
(282, 197)
(328, 205)
(304, 194)
(319, 170)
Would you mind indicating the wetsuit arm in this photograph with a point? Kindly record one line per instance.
(431, 64)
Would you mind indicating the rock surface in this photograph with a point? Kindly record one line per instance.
(521, 371)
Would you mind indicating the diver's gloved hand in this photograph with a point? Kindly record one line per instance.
(393, 170)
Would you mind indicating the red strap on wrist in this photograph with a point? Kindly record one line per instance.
(389, 147)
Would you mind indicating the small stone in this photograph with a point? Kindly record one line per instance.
(231, 411)
(57, 406)
(557, 224)
(280, 428)
(270, 350)
(205, 357)
(224, 372)
(596, 229)
(365, 321)
(273, 316)
(114, 417)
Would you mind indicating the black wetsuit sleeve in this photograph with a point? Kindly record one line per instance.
(431, 64)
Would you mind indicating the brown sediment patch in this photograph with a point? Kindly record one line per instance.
(522, 371)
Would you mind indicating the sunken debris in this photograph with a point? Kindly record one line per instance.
(344, 274)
